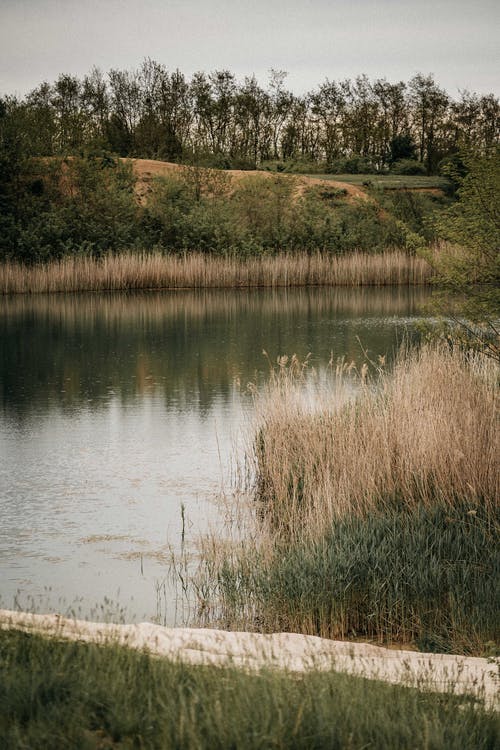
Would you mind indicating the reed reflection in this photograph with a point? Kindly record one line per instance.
(69, 351)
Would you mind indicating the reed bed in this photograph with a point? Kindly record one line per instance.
(374, 516)
(75, 695)
(427, 434)
(194, 270)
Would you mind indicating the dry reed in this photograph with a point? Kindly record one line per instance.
(373, 515)
(427, 434)
(195, 270)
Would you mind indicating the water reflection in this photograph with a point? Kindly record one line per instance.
(117, 409)
(73, 350)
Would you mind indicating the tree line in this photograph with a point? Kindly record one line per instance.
(213, 119)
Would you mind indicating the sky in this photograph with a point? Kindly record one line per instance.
(458, 41)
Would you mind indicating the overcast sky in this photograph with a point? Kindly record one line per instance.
(456, 40)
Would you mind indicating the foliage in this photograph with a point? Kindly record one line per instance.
(302, 165)
(12, 168)
(402, 147)
(60, 695)
(469, 268)
(407, 167)
(86, 204)
(214, 120)
(416, 210)
(263, 214)
(454, 169)
(354, 164)
(66, 206)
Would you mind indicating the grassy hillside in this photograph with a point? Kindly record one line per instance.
(90, 206)
(388, 181)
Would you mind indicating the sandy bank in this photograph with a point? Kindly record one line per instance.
(290, 651)
(147, 169)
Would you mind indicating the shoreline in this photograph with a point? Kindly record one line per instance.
(154, 271)
(291, 652)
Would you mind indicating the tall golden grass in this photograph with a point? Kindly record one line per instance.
(195, 270)
(373, 515)
(428, 434)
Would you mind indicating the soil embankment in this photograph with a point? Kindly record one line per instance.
(147, 169)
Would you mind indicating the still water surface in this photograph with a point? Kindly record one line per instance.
(117, 410)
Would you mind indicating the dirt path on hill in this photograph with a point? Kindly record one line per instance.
(147, 169)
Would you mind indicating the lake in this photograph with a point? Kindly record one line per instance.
(120, 419)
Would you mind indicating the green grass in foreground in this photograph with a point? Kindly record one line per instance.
(388, 181)
(69, 695)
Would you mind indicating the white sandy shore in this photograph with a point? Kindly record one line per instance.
(290, 651)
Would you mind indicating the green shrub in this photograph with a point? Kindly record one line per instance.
(416, 209)
(407, 167)
(355, 164)
(80, 205)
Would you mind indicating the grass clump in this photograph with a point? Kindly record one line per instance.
(376, 516)
(427, 433)
(70, 695)
(429, 576)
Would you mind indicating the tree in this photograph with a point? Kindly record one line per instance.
(429, 105)
(279, 108)
(10, 167)
(392, 122)
(401, 147)
(95, 106)
(469, 268)
(66, 101)
(126, 107)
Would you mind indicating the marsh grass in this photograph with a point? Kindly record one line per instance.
(73, 695)
(195, 270)
(426, 578)
(373, 516)
(426, 433)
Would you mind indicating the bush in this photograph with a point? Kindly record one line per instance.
(453, 168)
(79, 205)
(408, 167)
(262, 214)
(416, 209)
(469, 268)
(355, 164)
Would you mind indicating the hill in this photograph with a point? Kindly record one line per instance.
(147, 170)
